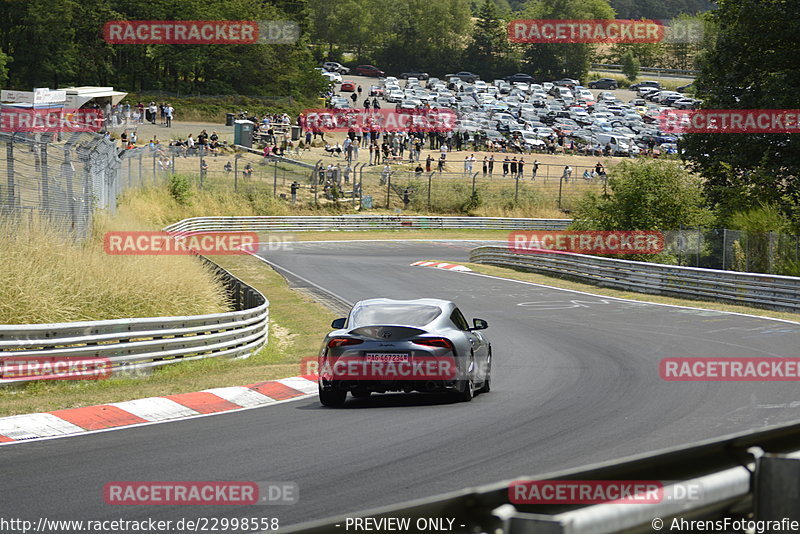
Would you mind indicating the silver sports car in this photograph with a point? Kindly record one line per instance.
(404, 345)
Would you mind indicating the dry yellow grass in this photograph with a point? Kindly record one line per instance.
(48, 278)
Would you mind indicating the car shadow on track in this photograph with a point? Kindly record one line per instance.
(393, 400)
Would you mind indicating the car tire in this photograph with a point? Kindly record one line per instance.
(487, 383)
(466, 391)
(332, 398)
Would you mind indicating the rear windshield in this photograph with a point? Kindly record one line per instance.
(399, 314)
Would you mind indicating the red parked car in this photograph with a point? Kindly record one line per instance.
(348, 86)
(369, 70)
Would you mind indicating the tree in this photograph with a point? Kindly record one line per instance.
(630, 66)
(488, 50)
(751, 63)
(557, 60)
(646, 195)
(4, 61)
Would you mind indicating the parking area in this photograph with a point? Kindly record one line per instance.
(545, 117)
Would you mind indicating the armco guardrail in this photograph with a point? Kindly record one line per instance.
(729, 477)
(359, 222)
(139, 344)
(760, 290)
(658, 71)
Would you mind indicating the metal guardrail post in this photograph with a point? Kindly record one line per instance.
(775, 493)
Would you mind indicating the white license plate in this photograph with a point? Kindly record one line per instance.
(387, 357)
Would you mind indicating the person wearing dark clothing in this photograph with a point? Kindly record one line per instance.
(505, 166)
(295, 187)
(406, 197)
(514, 167)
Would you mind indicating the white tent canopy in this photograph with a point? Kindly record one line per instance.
(78, 96)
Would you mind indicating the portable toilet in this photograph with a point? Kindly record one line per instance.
(243, 133)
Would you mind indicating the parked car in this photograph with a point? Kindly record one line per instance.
(520, 77)
(604, 83)
(645, 83)
(369, 70)
(464, 76)
(332, 66)
(567, 82)
(348, 86)
(686, 88)
(418, 74)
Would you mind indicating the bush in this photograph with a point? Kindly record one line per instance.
(180, 189)
(645, 195)
(630, 66)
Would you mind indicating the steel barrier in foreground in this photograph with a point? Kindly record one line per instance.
(359, 222)
(748, 289)
(135, 345)
(746, 478)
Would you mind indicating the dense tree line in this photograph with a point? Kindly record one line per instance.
(55, 43)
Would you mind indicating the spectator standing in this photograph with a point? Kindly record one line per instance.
(491, 164)
(506, 161)
(428, 163)
(521, 169)
(567, 173)
(168, 112)
(485, 165)
(535, 169)
(295, 186)
(513, 166)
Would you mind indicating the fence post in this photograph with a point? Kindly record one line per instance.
(697, 254)
(155, 162)
(560, 188)
(45, 180)
(10, 170)
(275, 180)
(516, 189)
(430, 182)
(236, 172)
(724, 249)
(388, 189)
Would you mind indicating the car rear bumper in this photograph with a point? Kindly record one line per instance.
(384, 386)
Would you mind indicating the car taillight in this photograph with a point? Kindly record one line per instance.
(438, 342)
(343, 341)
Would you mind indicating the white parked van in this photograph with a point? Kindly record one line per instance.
(620, 145)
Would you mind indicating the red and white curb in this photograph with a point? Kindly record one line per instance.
(442, 265)
(153, 409)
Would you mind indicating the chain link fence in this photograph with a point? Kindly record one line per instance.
(58, 178)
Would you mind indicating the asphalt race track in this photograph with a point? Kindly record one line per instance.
(575, 381)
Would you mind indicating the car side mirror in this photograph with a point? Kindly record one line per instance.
(479, 324)
(338, 324)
